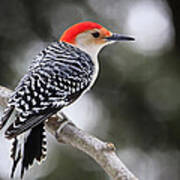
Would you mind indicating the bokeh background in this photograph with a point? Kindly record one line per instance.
(136, 101)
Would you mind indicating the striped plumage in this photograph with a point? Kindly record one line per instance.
(55, 79)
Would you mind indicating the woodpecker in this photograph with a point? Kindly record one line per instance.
(57, 77)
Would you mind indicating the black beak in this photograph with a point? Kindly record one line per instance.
(119, 37)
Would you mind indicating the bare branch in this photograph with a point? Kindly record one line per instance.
(103, 153)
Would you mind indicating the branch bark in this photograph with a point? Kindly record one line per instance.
(103, 153)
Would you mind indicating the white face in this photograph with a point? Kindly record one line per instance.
(91, 41)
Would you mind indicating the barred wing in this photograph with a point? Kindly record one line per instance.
(59, 78)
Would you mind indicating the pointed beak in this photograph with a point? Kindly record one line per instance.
(119, 37)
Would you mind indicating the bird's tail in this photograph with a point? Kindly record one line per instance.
(27, 147)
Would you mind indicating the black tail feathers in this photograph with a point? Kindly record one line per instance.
(34, 148)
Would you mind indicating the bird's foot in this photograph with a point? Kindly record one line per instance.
(56, 124)
(63, 120)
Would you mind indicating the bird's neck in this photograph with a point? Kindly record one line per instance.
(93, 53)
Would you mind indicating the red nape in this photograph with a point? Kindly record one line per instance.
(70, 34)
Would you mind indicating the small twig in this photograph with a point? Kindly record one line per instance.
(103, 153)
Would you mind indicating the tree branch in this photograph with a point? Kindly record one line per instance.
(103, 153)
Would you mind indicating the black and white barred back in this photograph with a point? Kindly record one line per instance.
(56, 78)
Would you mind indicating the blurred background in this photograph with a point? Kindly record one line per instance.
(136, 101)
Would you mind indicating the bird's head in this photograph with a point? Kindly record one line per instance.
(91, 37)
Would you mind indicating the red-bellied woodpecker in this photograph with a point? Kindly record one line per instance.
(57, 77)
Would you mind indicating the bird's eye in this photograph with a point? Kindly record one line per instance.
(96, 34)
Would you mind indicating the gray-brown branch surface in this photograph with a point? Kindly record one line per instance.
(103, 153)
